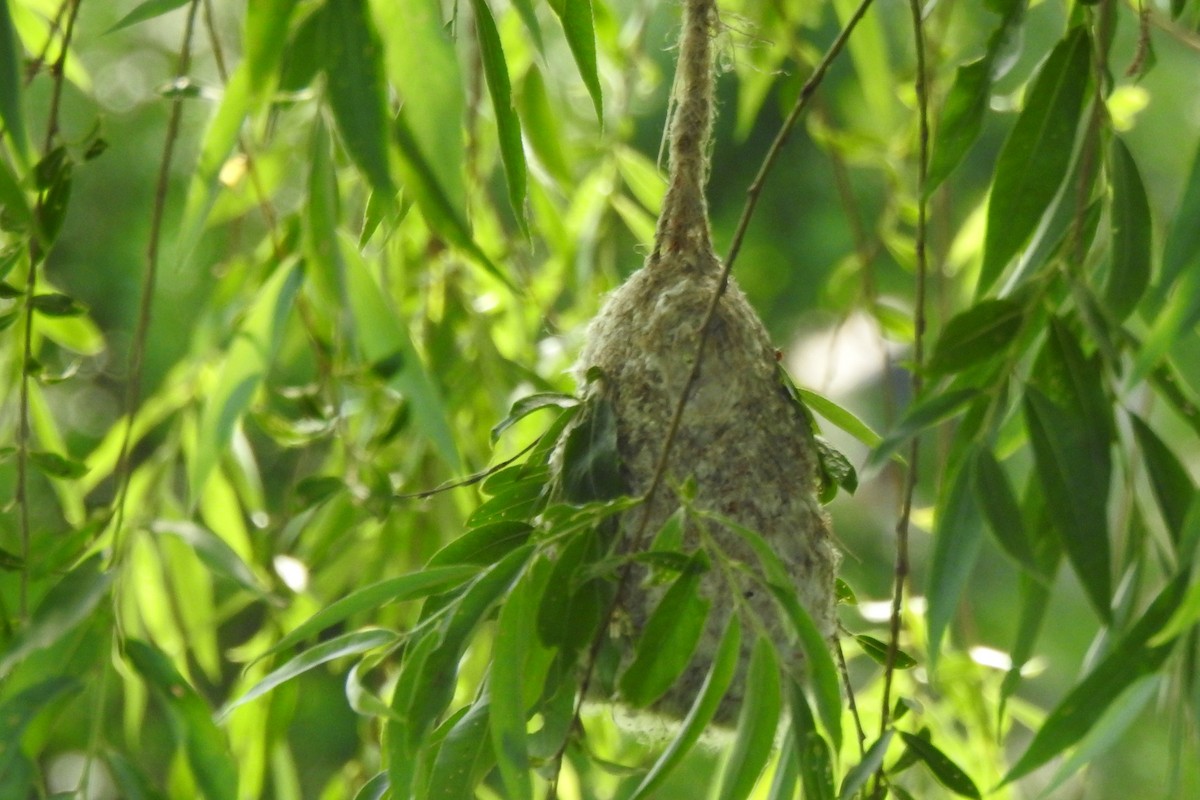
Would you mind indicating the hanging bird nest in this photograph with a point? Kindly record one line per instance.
(743, 447)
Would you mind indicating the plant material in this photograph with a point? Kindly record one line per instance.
(741, 441)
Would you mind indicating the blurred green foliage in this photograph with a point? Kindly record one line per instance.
(270, 271)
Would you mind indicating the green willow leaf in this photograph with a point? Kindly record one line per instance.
(413, 586)
(996, 499)
(68, 603)
(216, 554)
(515, 636)
(11, 109)
(465, 756)
(1076, 492)
(17, 711)
(977, 334)
(508, 124)
(716, 683)
(530, 403)
(265, 38)
(878, 652)
(348, 644)
(840, 417)
(1182, 248)
(57, 466)
(357, 90)
(961, 120)
(591, 464)
(207, 750)
(756, 724)
(483, 545)
(542, 125)
(242, 372)
(861, 772)
(943, 768)
(1129, 271)
(955, 549)
(576, 18)
(668, 639)
(1132, 658)
(1034, 160)
(923, 414)
(1173, 486)
(148, 9)
(813, 756)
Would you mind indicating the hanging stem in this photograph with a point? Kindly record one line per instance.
(901, 571)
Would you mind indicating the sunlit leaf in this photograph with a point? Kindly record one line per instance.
(515, 637)
(716, 682)
(148, 9)
(668, 638)
(243, 371)
(68, 603)
(214, 552)
(11, 112)
(756, 723)
(347, 644)
(1129, 271)
(1034, 160)
(858, 775)
(945, 770)
(576, 18)
(840, 417)
(527, 405)
(17, 711)
(207, 750)
(266, 38)
(465, 755)
(878, 652)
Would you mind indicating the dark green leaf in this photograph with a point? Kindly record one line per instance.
(756, 724)
(977, 334)
(483, 545)
(316, 489)
(148, 9)
(946, 771)
(52, 209)
(576, 18)
(266, 38)
(207, 751)
(1129, 272)
(1130, 660)
(356, 89)
(956, 547)
(668, 639)
(995, 497)
(813, 756)
(527, 405)
(52, 168)
(1182, 247)
(962, 119)
(11, 111)
(57, 305)
(374, 789)
(591, 463)
(716, 682)
(836, 470)
(1173, 486)
(464, 758)
(508, 124)
(1037, 153)
(68, 603)
(1076, 491)
(858, 775)
(924, 413)
(878, 652)
(56, 466)
(845, 594)
(515, 637)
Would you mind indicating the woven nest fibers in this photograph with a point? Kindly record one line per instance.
(741, 443)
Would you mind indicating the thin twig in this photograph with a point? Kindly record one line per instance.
(844, 671)
(138, 347)
(35, 257)
(910, 484)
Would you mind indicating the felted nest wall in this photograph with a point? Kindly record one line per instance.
(742, 441)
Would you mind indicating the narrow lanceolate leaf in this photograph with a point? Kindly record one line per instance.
(207, 751)
(923, 414)
(840, 417)
(1173, 486)
(977, 334)
(943, 768)
(356, 91)
(1076, 492)
(1129, 272)
(962, 119)
(1035, 157)
(877, 651)
(576, 18)
(464, 757)
(508, 125)
(816, 763)
(720, 675)
(348, 644)
(955, 549)
(1133, 658)
(591, 463)
(668, 639)
(376, 596)
(527, 405)
(858, 775)
(148, 9)
(68, 603)
(756, 723)
(515, 637)
(10, 84)
(265, 38)
(995, 497)
(244, 368)
(1182, 247)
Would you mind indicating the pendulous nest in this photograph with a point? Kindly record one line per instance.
(741, 440)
